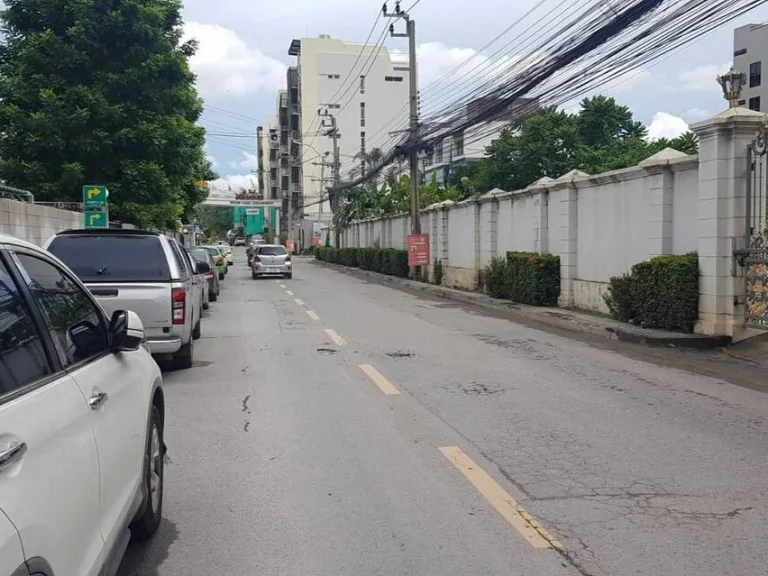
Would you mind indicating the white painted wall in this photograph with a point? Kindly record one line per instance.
(35, 223)
(613, 226)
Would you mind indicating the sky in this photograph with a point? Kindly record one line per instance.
(243, 55)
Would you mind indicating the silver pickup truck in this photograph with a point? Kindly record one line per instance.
(146, 272)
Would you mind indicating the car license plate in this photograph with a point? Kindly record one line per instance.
(273, 268)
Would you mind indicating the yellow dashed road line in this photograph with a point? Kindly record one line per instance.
(289, 293)
(333, 335)
(505, 505)
(299, 302)
(383, 384)
(313, 315)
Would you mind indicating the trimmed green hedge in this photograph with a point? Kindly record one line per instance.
(384, 260)
(662, 293)
(524, 277)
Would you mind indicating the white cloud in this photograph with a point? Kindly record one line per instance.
(696, 114)
(666, 125)
(213, 161)
(234, 182)
(225, 64)
(702, 78)
(249, 162)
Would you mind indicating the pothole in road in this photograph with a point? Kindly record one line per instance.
(401, 354)
(327, 351)
(201, 364)
(477, 389)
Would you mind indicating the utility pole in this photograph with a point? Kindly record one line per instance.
(333, 132)
(414, 112)
(322, 165)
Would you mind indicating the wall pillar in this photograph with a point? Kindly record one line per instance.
(569, 237)
(493, 227)
(477, 236)
(444, 236)
(541, 222)
(723, 174)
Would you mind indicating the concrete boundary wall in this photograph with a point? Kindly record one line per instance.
(35, 223)
(600, 225)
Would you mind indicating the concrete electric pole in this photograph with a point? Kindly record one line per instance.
(333, 132)
(414, 112)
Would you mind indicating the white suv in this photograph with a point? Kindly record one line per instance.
(81, 423)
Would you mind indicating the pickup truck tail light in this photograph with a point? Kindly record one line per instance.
(288, 258)
(178, 305)
(255, 258)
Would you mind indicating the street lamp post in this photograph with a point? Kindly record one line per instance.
(732, 83)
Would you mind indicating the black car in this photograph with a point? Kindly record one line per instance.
(203, 255)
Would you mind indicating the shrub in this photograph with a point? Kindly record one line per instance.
(399, 263)
(533, 278)
(386, 261)
(661, 293)
(438, 270)
(619, 298)
(376, 259)
(494, 274)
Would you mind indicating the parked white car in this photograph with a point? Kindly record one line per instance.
(82, 414)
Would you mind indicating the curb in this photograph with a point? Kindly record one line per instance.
(558, 318)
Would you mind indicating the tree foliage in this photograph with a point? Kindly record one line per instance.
(96, 92)
(603, 136)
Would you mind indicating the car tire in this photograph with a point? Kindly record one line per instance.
(146, 524)
(185, 357)
(197, 331)
(254, 275)
(289, 275)
(221, 276)
(213, 297)
(206, 305)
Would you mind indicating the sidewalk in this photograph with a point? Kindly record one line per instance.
(564, 319)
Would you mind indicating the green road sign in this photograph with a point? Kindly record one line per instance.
(95, 196)
(95, 219)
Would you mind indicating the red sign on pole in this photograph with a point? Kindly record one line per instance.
(418, 250)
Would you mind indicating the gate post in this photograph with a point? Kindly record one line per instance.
(722, 200)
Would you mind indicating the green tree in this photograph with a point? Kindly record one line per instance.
(603, 136)
(215, 220)
(96, 92)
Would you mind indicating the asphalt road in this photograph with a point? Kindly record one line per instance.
(421, 438)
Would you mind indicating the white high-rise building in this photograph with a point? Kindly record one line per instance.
(364, 87)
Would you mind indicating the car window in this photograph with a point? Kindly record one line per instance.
(201, 256)
(112, 258)
(22, 355)
(272, 250)
(180, 259)
(76, 324)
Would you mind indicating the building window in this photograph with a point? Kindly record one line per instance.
(740, 52)
(458, 144)
(362, 142)
(362, 84)
(295, 173)
(400, 69)
(742, 102)
(754, 103)
(393, 78)
(333, 76)
(755, 73)
(362, 114)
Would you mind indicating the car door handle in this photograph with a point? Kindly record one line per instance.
(97, 400)
(12, 454)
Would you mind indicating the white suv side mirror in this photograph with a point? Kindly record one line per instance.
(126, 332)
